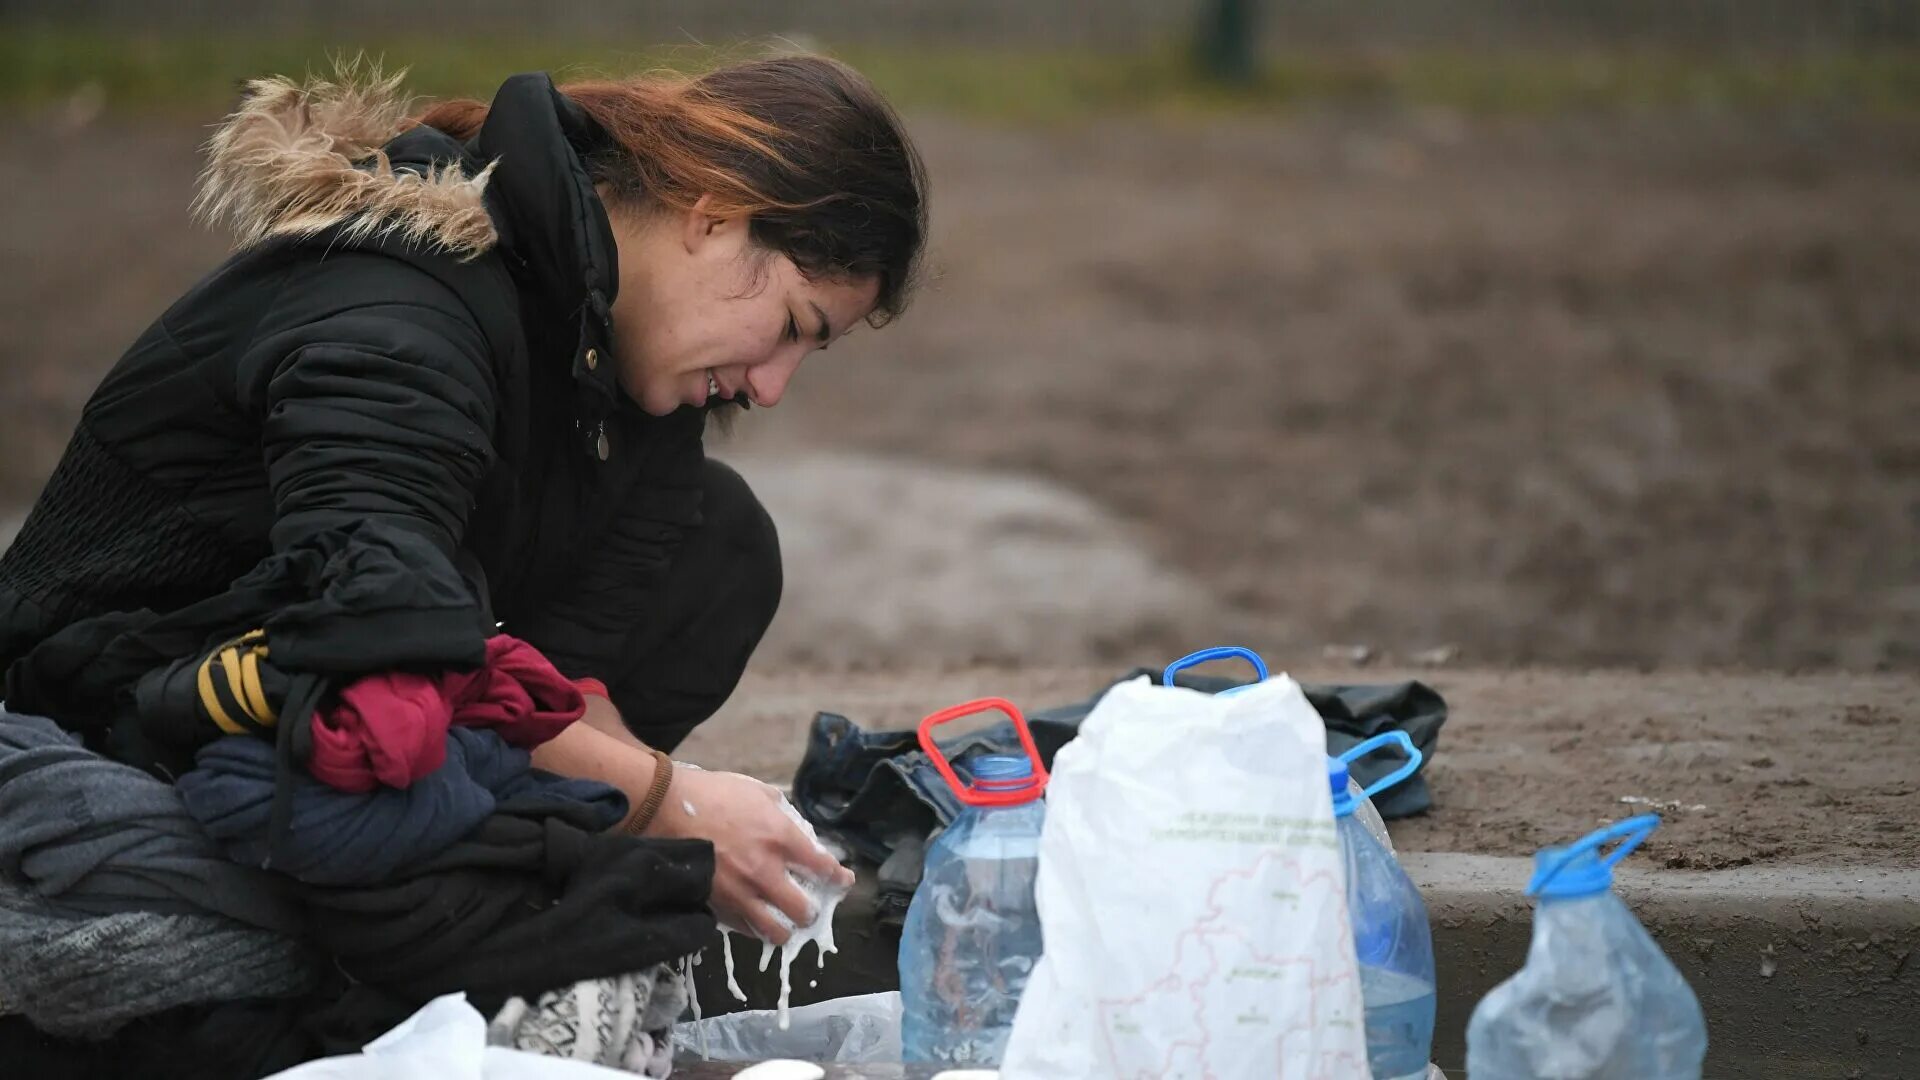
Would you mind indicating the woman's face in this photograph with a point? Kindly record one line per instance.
(703, 311)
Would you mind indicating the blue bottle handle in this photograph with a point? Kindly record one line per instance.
(1389, 738)
(1218, 652)
(1634, 830)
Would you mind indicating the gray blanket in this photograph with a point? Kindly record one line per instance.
(114, 904)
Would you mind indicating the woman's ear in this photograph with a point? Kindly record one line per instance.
(702, 232)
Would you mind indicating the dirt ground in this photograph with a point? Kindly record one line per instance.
(1744, 769)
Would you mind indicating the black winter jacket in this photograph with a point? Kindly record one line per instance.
(387, 425)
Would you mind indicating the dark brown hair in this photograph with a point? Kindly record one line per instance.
(803, 145)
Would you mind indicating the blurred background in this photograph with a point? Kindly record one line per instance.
(1501, 332)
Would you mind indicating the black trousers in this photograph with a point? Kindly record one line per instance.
(718, 599)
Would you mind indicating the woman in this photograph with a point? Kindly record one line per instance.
(455, 384)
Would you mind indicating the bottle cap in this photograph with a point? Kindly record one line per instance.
(1578, 869)
(1003, 772)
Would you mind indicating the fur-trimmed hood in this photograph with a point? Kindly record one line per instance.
(298, 159)
(343, 158)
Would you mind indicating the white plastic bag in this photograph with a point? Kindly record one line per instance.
(447, 1040)
(851, 1030)
(1191, 893)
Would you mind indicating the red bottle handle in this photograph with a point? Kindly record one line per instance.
(974, 796)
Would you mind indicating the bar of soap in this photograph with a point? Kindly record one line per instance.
(781, 1070)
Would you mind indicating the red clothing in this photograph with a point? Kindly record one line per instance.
(392, 729)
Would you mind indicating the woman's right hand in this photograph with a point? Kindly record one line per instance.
(754, 842)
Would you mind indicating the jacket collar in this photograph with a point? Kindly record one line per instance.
(552, 223)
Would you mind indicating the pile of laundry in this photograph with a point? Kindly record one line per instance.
(331, 861)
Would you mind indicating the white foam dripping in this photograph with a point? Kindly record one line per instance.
(693, 999)
(824, 899)
(726, 951)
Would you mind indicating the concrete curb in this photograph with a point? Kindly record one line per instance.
(1804, 972)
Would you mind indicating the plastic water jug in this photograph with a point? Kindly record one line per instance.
(1597, 999)
(972, 934)
(1392, 939)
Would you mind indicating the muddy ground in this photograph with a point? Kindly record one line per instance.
(1590, 392)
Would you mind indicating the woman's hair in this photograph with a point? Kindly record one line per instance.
(803, 145)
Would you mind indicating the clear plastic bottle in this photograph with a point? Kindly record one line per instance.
(1392, 939)
(1596, 999)
(972, 934)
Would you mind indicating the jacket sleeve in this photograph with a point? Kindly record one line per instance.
(379, 409)
(377, 403)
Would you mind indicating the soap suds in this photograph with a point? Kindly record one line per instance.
(726, 951)
(693, 998)
(823, 900)
(687, 805)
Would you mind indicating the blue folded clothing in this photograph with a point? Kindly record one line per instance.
(341, 838)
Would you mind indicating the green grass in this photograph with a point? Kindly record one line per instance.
(40, 66)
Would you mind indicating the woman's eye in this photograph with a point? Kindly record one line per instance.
(793, 328)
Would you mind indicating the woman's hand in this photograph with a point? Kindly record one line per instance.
(754, 841)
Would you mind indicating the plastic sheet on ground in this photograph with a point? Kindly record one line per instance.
(862, 1030)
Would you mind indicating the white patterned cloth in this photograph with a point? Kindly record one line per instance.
(624, 1023)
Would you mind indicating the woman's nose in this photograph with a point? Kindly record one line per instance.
(767, 383)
